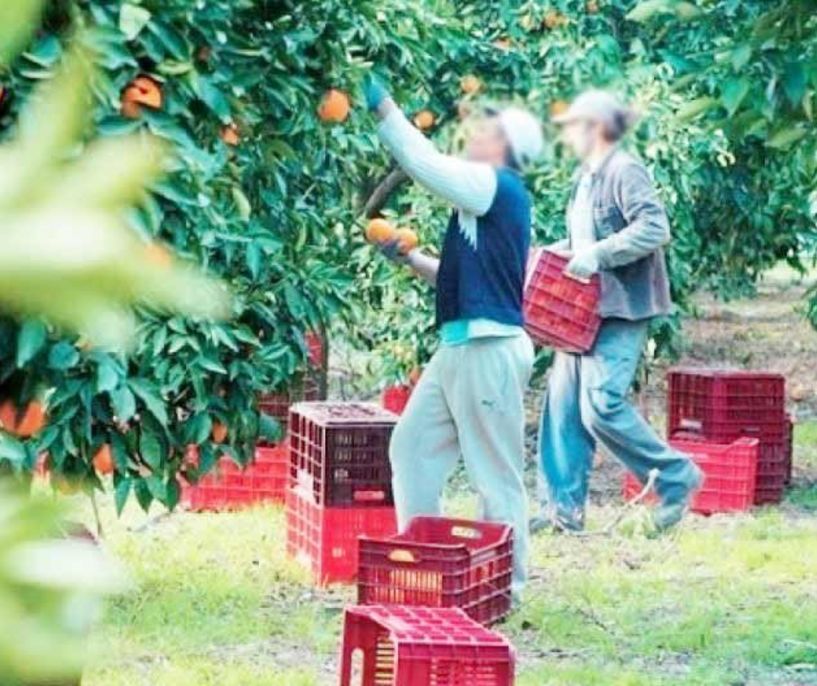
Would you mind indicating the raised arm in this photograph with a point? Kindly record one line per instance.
(469, 186)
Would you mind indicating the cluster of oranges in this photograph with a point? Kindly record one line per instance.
(382, 231)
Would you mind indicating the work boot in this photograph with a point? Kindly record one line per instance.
(670, 512)
(558, 521)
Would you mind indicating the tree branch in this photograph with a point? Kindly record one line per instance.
(380, 195)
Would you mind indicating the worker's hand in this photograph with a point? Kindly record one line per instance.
(584, 263)
(374, 91)
(391, 251)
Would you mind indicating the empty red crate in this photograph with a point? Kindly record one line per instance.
(325, 539)
(772, 468)
(440, 562)
(395, 398)
(230, 487)
(789, 450)
(730, 472)
(723, 405)
(560, 311)
(339, 452)
(415, 646)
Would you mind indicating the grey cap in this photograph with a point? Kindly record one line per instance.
(597, 106)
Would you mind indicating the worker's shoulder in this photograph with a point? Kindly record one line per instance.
(624, 159)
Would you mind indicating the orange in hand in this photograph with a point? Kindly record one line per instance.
(407, 240)
(380, 230)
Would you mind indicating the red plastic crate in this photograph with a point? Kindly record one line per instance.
(724, 404)
(772, 468)
(560, 311)
(229, 487)
(416, 646)
(730, 472)
(325, 539)
(277, 405)
(789, 450)
(339, 452)
(439, 562)
(395, 398)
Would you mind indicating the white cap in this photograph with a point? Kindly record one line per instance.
(524, 134)
(597, 106)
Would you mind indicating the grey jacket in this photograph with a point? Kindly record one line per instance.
(631, 229)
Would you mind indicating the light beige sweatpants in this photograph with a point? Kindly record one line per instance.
(469, 402)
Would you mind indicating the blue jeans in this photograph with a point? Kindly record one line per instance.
(586, 404)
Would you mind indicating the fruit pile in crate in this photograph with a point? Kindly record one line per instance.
(340, 484)
(560, 310)
(440, 562)
(713, 415)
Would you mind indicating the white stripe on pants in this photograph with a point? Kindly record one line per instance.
(469, 402)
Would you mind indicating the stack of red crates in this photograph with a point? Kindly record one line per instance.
(340, 484)
(560, 311)
(730, 473)
(440, 562)
(722, 406)
(231, 487)
(414, 646)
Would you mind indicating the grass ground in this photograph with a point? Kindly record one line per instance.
(725, 601)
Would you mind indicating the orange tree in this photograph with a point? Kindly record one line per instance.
(262, 192)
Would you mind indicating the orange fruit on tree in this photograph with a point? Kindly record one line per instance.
(414, 376)
(142, 91)
(424, 119)
(554, 20)
(229, 134)
(407, 240)
(219, 432)
(503, 43)
(31, 422)
(103, 460)
(379, 231)
(470, 84)
(558, 107)
(334, 106)
(157, 254)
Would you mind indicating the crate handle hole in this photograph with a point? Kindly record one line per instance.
(465, 532)
(401, 555)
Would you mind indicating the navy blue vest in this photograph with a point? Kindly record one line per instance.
(487, 282)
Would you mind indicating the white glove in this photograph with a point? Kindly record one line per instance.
(584, 263)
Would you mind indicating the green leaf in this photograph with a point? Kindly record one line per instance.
(214, 99)
(646, 10)
(152, 401)
(150, 448)
(143, 495)
(46, 52)
(121, 493)
(30, 341)
(741, 56)
(795, 82)
(172, 494)
(123, 403)
(12, 450)
(63, 356)
(107, 375)
(733, 93)
(156, 486)
(695, 108)
(211, 365)
(253, 258)
(785, 138)
(132, 19)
